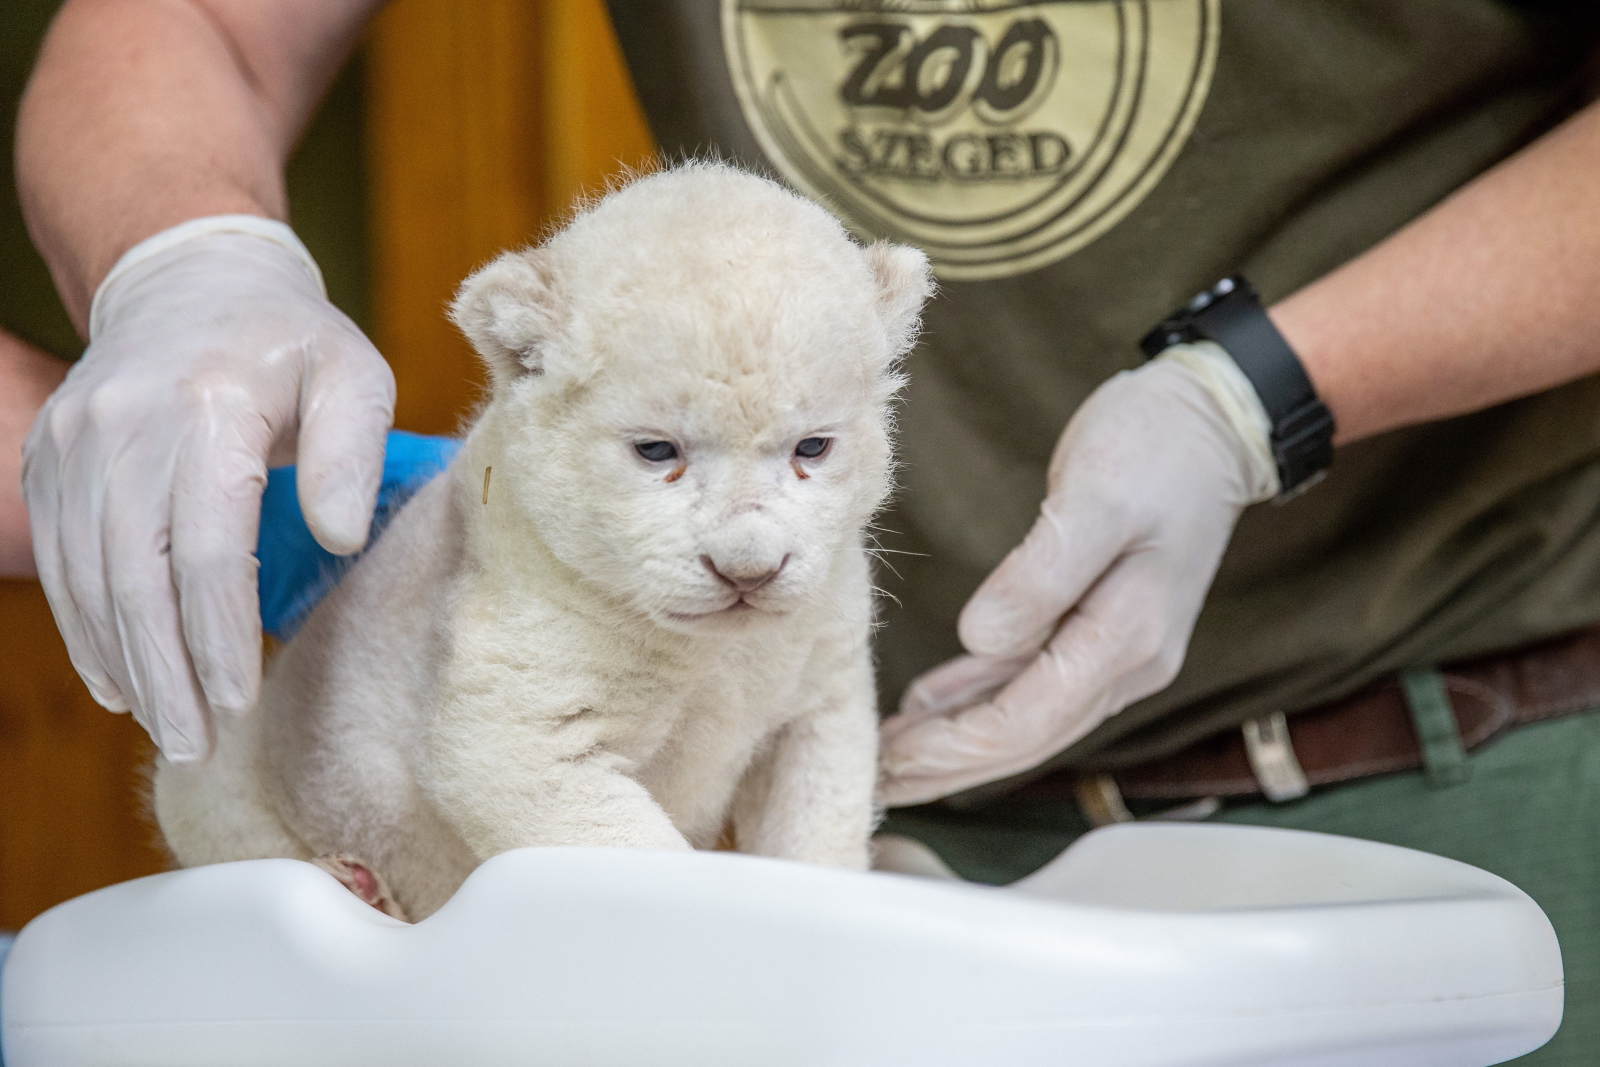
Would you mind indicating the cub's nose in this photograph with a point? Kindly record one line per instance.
(745, 577)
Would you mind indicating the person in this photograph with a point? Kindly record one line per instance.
(27, 378)
(1406, 185)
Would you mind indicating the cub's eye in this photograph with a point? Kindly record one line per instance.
(657, 451)
(812, 447)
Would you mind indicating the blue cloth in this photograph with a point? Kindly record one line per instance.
(296, 572)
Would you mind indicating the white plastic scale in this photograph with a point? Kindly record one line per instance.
(1141, 946)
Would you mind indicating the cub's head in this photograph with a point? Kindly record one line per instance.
(691, 396)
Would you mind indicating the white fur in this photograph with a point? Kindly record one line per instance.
(561, 666)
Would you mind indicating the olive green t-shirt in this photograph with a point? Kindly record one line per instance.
(1076, 169)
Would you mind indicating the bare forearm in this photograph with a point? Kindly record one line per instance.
(27, 377)
(1490, 296)
(144, 113)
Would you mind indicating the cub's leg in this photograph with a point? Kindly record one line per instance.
(810, 796)
(219, 810)
(514, 786)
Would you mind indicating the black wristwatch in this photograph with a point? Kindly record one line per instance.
(1230, 314)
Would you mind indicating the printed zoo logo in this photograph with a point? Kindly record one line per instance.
(997, 135)
(919, 88)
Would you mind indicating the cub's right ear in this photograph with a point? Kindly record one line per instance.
(510, 310)
(905, 281)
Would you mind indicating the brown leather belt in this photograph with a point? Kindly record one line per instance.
(1380, 730)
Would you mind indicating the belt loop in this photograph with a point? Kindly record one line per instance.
(1272, 758)
(1438, 733)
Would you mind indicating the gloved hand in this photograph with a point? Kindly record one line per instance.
(1094, 609)
(212, 349)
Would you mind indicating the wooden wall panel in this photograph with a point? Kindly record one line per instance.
(485, 119)
(71, 774)
(593, 128)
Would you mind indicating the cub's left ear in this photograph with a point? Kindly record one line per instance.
(510, 310)
(905, 280)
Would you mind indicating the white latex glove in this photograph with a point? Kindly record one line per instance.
(1094, 609)
(212, 347)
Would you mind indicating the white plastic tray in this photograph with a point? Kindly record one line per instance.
(1141, 946)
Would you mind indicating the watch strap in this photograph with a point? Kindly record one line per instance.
(1230, 314)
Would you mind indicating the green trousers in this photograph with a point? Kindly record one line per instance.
(1529, 812)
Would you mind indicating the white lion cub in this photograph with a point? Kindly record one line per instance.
(636, 609)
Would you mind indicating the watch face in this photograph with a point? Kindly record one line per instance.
(996, 135)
